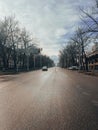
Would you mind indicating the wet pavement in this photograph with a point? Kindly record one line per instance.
(57, 99)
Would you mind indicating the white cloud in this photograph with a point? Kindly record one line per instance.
(60, 32)
(46, 19)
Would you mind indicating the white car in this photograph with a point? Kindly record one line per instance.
(44, 68)
(73, 68)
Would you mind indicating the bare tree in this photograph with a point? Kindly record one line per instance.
(17, 47)
(81, 39)
(68, 55)
(27, 42)
(8, 28)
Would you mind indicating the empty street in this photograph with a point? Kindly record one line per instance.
(57, 99)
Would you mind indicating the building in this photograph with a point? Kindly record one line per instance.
(92, 59)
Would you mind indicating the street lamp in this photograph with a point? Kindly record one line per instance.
(40, 57)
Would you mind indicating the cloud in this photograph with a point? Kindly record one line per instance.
(51, 21)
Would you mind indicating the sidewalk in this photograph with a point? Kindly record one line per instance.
(7, 72)
(89, 73)
(92, 73)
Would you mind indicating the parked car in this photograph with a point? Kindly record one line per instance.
(44, 68)
(73, 68)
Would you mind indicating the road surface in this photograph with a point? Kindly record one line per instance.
(57, 99)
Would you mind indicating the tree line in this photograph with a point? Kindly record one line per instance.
(74, 53)
(18, 49)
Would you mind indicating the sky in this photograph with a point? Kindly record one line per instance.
(50, 21)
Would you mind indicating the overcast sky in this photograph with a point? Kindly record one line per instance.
(47, 20)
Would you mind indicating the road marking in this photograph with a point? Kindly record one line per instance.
(95, 103)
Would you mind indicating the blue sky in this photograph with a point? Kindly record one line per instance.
(47, 20)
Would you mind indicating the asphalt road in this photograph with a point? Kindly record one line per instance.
(54, 100)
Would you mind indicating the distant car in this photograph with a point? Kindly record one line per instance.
(73, 68)
(44, 68)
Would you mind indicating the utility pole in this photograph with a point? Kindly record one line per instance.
(40, 57)
(17, 59)
(27, 62)
(34, 61)
(40, 61)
